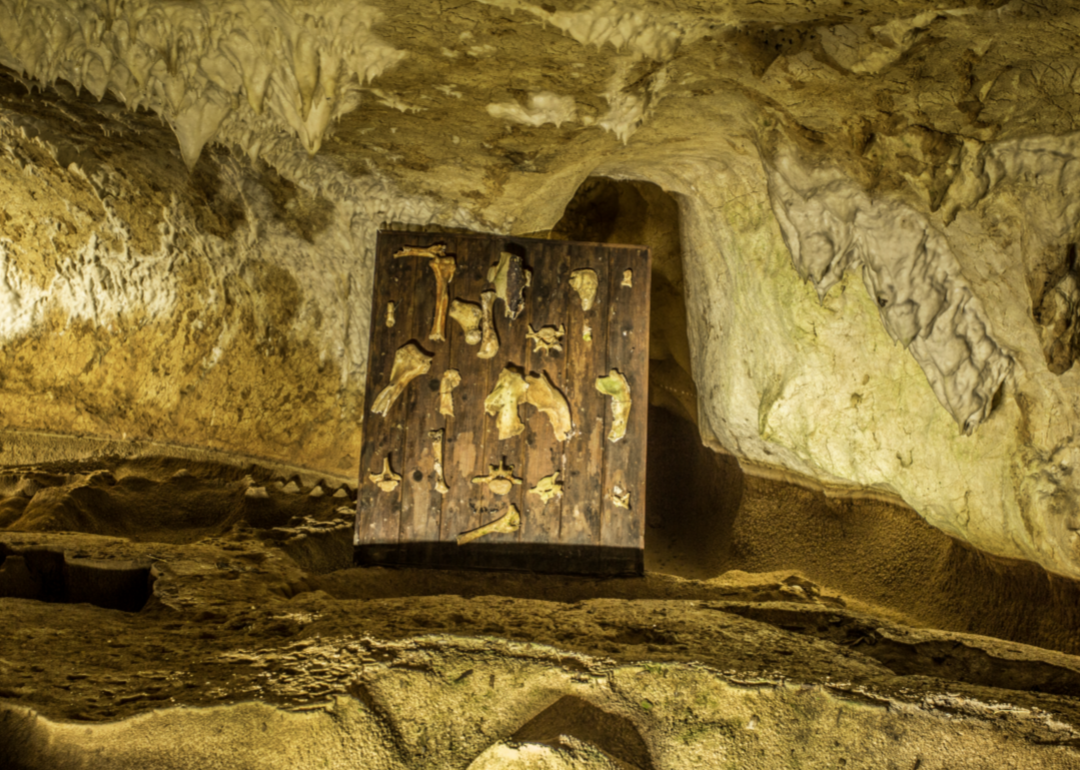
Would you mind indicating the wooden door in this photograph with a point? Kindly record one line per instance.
(512, 442)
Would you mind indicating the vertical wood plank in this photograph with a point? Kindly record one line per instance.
(586, 360)
(421, 503)
(464, 445)
(627, 351)
(379, 519)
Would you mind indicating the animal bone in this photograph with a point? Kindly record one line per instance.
(390, 320)
(387, 481)
(468, 315)
(548, 487)
(431, 252)
(510, 279)
(444, 268)
(450, 379)
(508, 522)
(586, 333)
(627, 279)
(620, 498)
(409, 363)
(489, 345)
(500, 479)
(616, 386)
(549, 400)
(584, 282)
(504, 401)
(436, 437)
(547, 338)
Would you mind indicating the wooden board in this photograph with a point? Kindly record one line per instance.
(583, 530)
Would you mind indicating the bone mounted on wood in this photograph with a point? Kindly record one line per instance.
(443, 267)
(616, 386)
(469, 316)
(507, 523)
(504, 400)
(547, 398)
(489, 344)
(410, 361)
(510, 279)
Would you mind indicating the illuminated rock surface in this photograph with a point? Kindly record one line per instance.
(863, 221)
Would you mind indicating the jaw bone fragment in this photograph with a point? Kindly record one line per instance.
(584, 282)
(547, 398)
(387, 481)
(390, 320)
(548, 487)
(627, 279)
(409, 363)
(468, 316)
(489, 345)
(431, 252)
(444, 268)
(548, 338)
(508, 522)
(510, 279)
(436, 437)
(504, 401)
(500, 479)
(620, 497)
(450, 379)
(616, 386)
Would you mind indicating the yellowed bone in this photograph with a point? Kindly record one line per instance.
(387, 481)
(489, 344)
(450, 379)
(507, 523)
(627, 279)
(510, 278)
(549, 400)
(547, 338)
(444, 268)
(620, 497)
(468, 315)
(409, 363)
(436, 437)
(584, 282)
(390, 320)
(616, 386)
(431, 252)
(548, 487)
(500, 479)
(504, 400)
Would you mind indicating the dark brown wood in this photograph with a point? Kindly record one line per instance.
(582, 531)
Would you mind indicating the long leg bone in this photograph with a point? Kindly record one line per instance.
(510, 278)
(444, 268)
(409, 363)
(468, 315)
(489, 345)
(547, 398)
(451, 378)
(504, 400)
(436, 437)
(508, 522)
(616, 386)
(431, 252)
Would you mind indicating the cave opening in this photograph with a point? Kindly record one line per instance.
(692, 492)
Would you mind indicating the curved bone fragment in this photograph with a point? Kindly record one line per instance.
(410, 361)
(548, 487)
(468, 315)
(504, 400)
(489, 344)
(436, 437)
(450, 379)
(387, 481)
(508, 522)
(620, 497)
(433, 251)
(510, 278)
(444, 268)
(500, 479)
(584, 282)
(547, 338)
(616, 386)
(549, 400)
